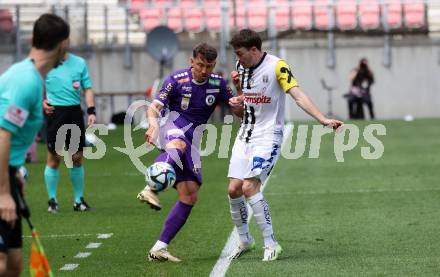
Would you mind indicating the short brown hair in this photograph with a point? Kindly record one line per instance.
(205, 50)
(246, 38)
(49, 31)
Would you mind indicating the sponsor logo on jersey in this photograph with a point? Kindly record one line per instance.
(183, 80)
(16, 115)
(180, 75)
(76, 85)
(213, 90)
(214, 82)
(187, 89)
(210, 99)
(258, 100)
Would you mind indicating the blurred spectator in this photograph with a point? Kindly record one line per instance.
(361, 80)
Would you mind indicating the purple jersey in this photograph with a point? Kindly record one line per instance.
(193, 101)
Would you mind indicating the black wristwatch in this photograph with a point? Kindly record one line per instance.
(91, 110)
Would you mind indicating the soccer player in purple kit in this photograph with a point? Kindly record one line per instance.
(191, 95)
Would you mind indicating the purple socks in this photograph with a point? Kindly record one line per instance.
(175, 220)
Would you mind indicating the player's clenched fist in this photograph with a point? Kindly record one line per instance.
(151, 134)
(235, 77)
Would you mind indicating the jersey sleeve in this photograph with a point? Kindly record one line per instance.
(226, 92)
(163, 96)
(22, 94)
(285, 78)
(85, 79)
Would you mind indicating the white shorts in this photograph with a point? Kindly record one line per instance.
(254, 160)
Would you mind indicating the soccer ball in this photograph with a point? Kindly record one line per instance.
(160, 176)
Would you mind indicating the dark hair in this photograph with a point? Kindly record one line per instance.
(49, 31)
(206, 51)
(246, 38)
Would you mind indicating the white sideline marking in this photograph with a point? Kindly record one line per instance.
(82, 255)
(105, 236)
(69, 267)
(61, 236)
(93, 245)
(223, 261)
(356, 191)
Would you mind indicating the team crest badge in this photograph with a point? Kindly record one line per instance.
(265, 78)
(210, 99)
(76, 85)
(185, 101)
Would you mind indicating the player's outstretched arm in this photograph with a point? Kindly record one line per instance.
(304, 102)
(7, 205)
(153, 114)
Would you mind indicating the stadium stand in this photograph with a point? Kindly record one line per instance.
(394, 14)
(323, 13)
(257, 15)
(414, 14)
(346, 14)
(194, 19)
(369, 14)
(302, 15)
(196, 16)
(282, 15)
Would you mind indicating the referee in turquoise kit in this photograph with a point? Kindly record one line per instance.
(21, 117)
(64, 86)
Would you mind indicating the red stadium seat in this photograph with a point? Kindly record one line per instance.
(6, 23)
(369, 14)
(163, 3)
(174, 18)
(322, 16)
(414, 14)
(282, 15)
(257, 17)
(213, 19)
(188, 3)
(302, 15)
(241, 17)
(151, 17)
(346, 14)
(137, 5)
(394, 14)
(193, 19)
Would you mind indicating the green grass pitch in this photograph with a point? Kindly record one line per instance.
(357, 218)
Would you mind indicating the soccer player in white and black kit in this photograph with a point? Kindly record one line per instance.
(264, 80)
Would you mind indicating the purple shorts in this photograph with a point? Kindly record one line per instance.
(191, 162)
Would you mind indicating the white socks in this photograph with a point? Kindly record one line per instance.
(239, 216)
(159, 245)
(263, 218)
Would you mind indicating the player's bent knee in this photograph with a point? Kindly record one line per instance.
(189, 199)
(250, 188)
(3, 261)
(235, 191)
(177, 144)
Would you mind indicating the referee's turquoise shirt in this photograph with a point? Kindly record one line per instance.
(65, 82)
(21, 107)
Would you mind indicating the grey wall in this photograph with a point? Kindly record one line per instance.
(410, 86)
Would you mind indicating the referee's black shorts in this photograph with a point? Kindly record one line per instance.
(64, 115)
(12, 237)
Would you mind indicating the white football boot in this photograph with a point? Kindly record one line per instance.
(150, 197)
(241, 249)
(272, 253)
(162, 255)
